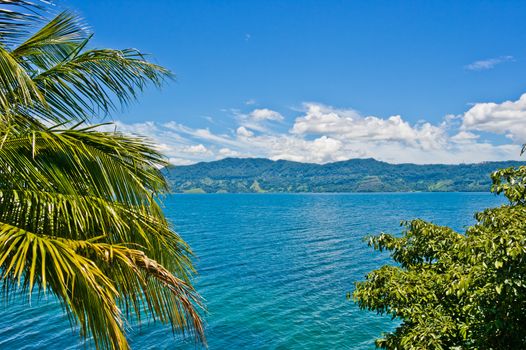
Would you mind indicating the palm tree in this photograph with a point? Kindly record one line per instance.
(79, 210)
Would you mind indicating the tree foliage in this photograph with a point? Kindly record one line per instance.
(453, 290)
(79, 211)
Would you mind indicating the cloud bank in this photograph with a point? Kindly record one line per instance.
(319, 134)
(507, 118)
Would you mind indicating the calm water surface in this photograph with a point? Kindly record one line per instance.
(274, 270)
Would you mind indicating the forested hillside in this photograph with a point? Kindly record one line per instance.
(238, 175)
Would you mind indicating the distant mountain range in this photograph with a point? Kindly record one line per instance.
(242, 175)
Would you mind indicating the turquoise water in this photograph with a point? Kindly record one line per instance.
(274, 270)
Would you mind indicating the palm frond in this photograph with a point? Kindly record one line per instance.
(104, 274)
(87, 293)
(53, 43)
(80, 184)
(163, 295)
(80, 214)
(17, 89)
(75, 217)
(104, 164)
(16, 18)
(83, 85)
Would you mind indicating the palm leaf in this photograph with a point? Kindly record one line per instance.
(16, 18)
(78, 282)
(83, 85)
(80, 215)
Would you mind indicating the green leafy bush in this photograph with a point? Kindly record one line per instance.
(452, 290)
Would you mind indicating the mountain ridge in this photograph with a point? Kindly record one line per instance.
(250, 175)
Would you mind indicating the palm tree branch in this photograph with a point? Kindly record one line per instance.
(86, 292)
(53, 43)
(79, 217)
(16, 86)
(171, 299)
(16, 18)
(83, 84)
(107, 164)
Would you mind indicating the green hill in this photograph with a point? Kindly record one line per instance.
(238, 175)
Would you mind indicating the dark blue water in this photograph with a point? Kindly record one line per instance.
(274, 270)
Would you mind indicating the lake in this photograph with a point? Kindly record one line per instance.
(274, 269)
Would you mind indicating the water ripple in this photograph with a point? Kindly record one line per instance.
(274, 270)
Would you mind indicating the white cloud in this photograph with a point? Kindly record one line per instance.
(197, 149)
(348, 124)
(244, 132)
(321, 150)
(464, 137)
(260, 120)
(265, 114)
(488, 63)
(227, 152)
(180, 161)
(507, 118)
(322, 134)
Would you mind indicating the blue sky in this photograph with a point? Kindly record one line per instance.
(320, 81)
